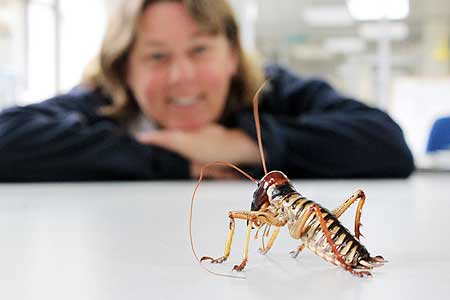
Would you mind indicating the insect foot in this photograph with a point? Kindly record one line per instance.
(214, 261)
(240, 267)
(362, 274)
(296, 252)
(263, 251)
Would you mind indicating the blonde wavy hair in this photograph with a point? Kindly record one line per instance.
(107, 72)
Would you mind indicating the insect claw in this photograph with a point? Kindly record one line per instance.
(362, 274)
(296, 252)
(379, 259)
(214, 261)
(240, 267)
(367, 274)
(263, 251)
(293, 253)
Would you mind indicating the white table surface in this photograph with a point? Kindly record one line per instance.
(129, 240)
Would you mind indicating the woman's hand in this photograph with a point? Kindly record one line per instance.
(214, 171)
(208, 144)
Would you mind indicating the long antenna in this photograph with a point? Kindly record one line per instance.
(200, 178)
(258, 125)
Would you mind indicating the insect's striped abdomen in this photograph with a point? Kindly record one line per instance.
(296, 207)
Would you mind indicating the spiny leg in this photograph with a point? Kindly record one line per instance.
(373, 262)
(339, 257)
(359, 194)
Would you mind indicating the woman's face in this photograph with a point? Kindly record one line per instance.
(178, 73)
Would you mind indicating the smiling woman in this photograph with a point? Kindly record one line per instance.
(171, 90)
(179, 71)
(167, 40)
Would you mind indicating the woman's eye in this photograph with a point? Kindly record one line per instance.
(199, 49)
(156, 57)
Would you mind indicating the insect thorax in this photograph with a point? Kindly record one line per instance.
(270, 188)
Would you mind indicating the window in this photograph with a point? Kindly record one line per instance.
(45, 45)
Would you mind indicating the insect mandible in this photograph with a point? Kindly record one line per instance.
(276, 204)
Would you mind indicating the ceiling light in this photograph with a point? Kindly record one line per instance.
(394, 31)
(327, 15)
(370, 10)
(345, 45)
(310, 53)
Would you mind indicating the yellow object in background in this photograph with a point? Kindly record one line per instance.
(442, 52)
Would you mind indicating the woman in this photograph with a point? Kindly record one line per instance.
(171, 89)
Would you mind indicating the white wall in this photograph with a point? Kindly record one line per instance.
(82, 30)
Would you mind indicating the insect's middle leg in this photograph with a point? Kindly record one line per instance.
(274, 235)
(359, 194)
(296, 252)
(299, 232)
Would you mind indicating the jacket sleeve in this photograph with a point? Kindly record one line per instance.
(309, 130)
(64, 139)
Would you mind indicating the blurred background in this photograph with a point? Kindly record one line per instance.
(391, 54)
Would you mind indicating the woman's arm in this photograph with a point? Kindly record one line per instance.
(64, 139)
(309, 130)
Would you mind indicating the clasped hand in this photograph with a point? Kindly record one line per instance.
(207, 144)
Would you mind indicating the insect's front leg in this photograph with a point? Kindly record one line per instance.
(251, 217)
(227, 250)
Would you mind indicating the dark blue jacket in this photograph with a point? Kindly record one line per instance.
(309, 130)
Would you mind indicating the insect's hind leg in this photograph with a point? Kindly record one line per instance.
(359, 194)
(314, 208)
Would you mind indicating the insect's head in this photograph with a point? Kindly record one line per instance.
(270, 187)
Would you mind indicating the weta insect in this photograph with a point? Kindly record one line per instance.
(276, 203)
